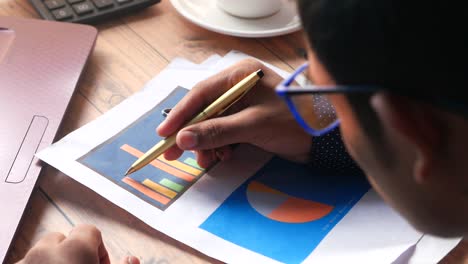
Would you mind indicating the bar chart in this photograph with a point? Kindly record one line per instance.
(161, 182)
(159, 187)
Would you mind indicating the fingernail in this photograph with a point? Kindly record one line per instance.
(214, 155)
(133, 260)
(160, 125)
(376, 101)
(187, 139)
(220, 155)
(163, 123)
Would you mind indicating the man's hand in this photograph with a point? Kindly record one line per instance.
(83, 245)
(259, 118)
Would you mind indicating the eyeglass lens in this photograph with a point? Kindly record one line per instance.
(316, 110)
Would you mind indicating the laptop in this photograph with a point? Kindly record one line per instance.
(40, 65)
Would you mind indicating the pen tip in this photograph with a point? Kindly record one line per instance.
(129, 171)
(260, 73)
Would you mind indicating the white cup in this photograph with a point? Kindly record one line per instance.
(250, 8)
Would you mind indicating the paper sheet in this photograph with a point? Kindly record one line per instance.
(191, 205)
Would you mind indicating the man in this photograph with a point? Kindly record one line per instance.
(393, 71)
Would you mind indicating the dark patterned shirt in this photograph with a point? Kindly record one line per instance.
(329, 153)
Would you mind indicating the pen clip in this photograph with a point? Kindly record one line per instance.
(233, 102)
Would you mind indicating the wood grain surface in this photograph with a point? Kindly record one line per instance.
(129, 51)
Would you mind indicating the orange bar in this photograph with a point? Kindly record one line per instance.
(181, 166)
(159, 164)
(159, 188)
(146, 191)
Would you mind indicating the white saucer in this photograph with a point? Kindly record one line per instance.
(207, 14)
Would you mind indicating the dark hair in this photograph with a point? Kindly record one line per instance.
(408, 46)
(403, 46)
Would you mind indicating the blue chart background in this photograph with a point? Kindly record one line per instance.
(236, 221)
(112, 162)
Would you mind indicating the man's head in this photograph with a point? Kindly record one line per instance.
(412, 140)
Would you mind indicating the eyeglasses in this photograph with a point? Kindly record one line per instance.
(313, 110)
(310, 104)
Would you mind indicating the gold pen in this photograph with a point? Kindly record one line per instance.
(220, 105)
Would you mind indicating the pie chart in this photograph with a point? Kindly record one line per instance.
(279, 206)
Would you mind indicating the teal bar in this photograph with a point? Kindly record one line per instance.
(171, 185)
(192, 163)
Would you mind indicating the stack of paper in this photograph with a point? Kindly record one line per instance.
(253, 209)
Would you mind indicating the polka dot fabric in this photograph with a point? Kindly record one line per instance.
(329, 153)
(324, 109)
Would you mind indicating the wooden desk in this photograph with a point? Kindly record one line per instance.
(129, 52)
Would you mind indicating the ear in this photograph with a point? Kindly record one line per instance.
(417, 123)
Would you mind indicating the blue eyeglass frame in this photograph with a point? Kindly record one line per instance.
(285, 90)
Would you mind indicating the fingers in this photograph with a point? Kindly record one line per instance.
(199, 97)
(51, 239)
(130, 260)
(204, 93)
(87, 233)
(83, 245)
(223, 153)
(207, 158)
(173, 153)
(103, 255)
(88, 240)
(217, 132)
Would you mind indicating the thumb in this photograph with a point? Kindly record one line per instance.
(130, 260)
(215, 133)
